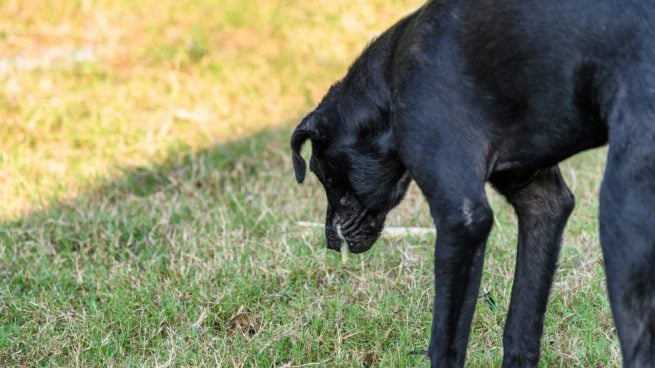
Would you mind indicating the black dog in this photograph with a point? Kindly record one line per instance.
(464, 92)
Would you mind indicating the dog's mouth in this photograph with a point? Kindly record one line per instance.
(355, 235)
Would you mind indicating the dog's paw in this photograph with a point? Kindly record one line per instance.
(419, 352)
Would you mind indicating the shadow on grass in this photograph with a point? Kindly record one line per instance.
(210, 174)
(122, 270)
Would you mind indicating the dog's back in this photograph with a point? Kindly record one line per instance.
(549, 67)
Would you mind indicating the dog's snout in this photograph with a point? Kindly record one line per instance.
(359, 226)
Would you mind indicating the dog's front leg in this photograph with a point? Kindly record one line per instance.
(458, 204)
(462, 232)
(543, 204)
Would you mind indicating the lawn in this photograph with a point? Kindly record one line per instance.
(149, 214)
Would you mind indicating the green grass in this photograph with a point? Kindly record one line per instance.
(149, 211)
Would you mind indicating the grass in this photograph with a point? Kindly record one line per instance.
(149, 210)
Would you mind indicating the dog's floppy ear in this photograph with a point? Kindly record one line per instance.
(307, 129)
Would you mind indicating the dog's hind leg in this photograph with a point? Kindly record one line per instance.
(543, 203)
(627, 218)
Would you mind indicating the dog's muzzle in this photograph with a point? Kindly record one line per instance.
(359, 230)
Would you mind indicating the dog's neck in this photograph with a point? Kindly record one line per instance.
(362, 99)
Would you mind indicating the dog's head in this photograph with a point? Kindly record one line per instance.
(359, 168)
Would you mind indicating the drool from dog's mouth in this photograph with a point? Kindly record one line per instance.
(344, 246)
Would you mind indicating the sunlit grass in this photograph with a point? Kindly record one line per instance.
(158, 76)
(148, 212)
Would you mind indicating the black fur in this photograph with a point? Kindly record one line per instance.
(460, 93)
